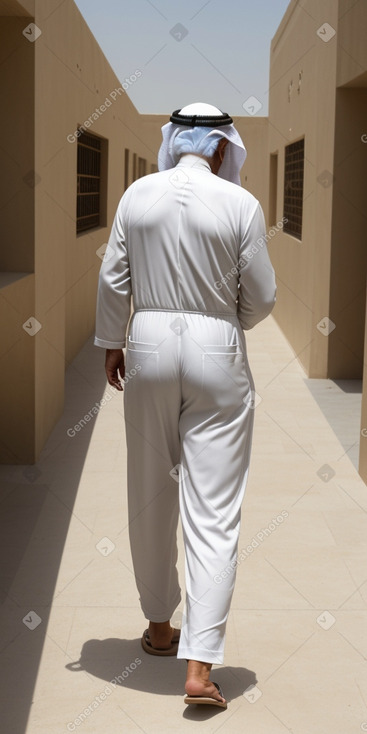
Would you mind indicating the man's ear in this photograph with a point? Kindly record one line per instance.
(221, 147)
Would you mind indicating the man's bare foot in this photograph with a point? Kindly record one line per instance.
(161, 635)
(198, 682)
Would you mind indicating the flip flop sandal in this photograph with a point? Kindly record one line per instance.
(148, 647)
(207, 699)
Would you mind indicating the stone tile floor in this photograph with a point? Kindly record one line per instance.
(297, 634)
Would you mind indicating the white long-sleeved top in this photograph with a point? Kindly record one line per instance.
(185, 240)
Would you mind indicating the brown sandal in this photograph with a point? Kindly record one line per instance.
(207, 699)
(148, 647)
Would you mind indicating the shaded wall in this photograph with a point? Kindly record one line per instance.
(348, 266)
(17, 238)
(351, 153)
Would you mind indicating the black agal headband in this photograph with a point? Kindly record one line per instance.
(200, 120)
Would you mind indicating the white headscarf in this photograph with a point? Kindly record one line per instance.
(179, 139)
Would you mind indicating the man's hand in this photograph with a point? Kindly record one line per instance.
(115, 364)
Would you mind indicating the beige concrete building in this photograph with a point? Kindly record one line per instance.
(55, 78)
(61, 188)
(317, 172)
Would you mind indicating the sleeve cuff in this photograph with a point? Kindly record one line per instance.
(109, 345)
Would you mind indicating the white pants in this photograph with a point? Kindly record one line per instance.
(189, 419)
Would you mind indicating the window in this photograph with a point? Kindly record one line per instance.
(273, 188)
(142, 167)
(135, 166)
(88, 213)
(126, 169)
(293, 188)
(153, 168)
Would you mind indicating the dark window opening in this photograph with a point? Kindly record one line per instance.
(142, 167)
(273, 187)
(88, 182)
(126, 168)
(293, 188)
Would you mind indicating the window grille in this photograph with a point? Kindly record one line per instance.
(88, 182)
(273, 188)
(142, 167)
(126, 168)
(293, 188)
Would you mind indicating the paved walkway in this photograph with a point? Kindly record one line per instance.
(297, 635)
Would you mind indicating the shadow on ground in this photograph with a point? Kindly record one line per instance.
(340, 401)
(36, 508)
(107, 659)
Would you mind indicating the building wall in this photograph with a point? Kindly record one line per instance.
(351, 157)
(348, 264)
(352, 48)
(57, 81)
(302, 104)
(318, 91)
(17, 237)
(17, 156)
(17, 359)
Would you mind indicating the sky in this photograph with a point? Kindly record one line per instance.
(188, 50)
